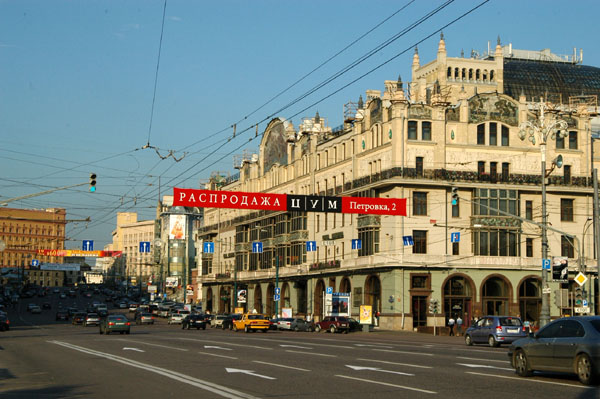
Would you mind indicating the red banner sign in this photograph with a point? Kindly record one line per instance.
(288, 202)
(76, 252)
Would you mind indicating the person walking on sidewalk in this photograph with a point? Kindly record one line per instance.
(459, 323)
(451, 322)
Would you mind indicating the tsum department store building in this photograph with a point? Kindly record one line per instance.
(455, 125)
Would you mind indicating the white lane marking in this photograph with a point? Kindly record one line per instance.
(214, 354)
(125, 348)
(225, 343)
(249, 372)
(280, 365)
(386, 384)
(374, 346)
(310, 353)
(220, 390)
(395, 363)
(484, 366)
(217, 347)
(294, 346)
(404, 352)
(149, 344)
(483, 360)
(469, 350)
(296, 342)
(361, 368)
(530, 380)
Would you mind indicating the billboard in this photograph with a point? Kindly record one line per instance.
(93, 278)
(177, 227)
(171, 282)
(241, 296)
(560, 269)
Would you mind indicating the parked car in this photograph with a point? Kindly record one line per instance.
(193, 321)
(115, 323)
(78, 318)
(568, 345)
(144, 318)
(91, 319)
(495, 330)
(62, 315)
(354, 324)
(333, 324)
(228, 321)
(299, 324)
(285, 323)
(30, 306)
(4, 322)
(217, 321)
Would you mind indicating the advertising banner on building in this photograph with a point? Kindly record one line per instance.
(93, 278)
(177, 225)
(366, 314)
(560, 269)
(288, 202)
(287, 313)
(75, 252)
(340, 304)
(242, 296)
(171, 282)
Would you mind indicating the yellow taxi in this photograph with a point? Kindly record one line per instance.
(252, 322)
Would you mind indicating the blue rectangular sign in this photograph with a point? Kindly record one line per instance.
(356, 243)
(209, 247)
(408, 240)
(144, 246)
(546, 264)
(257, 247)
(311, 246)
(88, 245)
(455, 237)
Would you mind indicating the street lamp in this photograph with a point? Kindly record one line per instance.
(540, 130)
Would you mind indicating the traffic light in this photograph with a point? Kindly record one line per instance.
(92, 182)
(454, 195)
(578, 296)
(434, 306)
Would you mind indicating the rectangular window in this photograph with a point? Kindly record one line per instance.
(529, 210)
(505, 171)
(493, 171)
(560, 141)
(420, 241)
(369, 241)
(455, 248)
(426, 131)
(419, 204)
(493, 133)
(567, 174)
(529, 247)
(566, 247)
(572, 140)
(412, 130)
(505, 140)
(419, 282)
(566, 210)
(481, 134)
(419, 166)
(480, 168)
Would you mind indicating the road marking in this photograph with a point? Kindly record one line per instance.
(149, 344)
(133, 349)
(249, 372)
(224, 343)
(296, 342)
(280, 365)
(484, 366)
(294, 346)
(386, 384)
(482, 360)
(361, 368)
(217, 389)
(470, 350)
(310, 353)
(217, 347)
(404, 352)
(214, 354)
(374, 346)
(397, 364)
(530, 380)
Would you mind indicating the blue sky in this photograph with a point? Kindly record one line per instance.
(77, 83)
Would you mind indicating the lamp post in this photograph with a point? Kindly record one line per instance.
(540, 130)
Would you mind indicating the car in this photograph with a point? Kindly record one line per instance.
(102, 312)
(285, 323)
(252, 322)
(228, 321)
(35, 310)
(133, 306)
(177, 317)
(122, 305)
(4, 322)
(354, 324)
(193, 321)
(115, 323)
(217, 321)
(56, 291)
(46, 305)
(30, 306)
(299, 324)
(333, 324)
(72, 311)
(91, 319)
(144, 318)
(62, 315)
(568, 345)
(495, 330)
(78, 318)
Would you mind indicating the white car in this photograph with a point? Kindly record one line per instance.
(217, 322)
(177, 317)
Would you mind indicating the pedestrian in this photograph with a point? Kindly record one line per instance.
(459, 323)
(451, 322)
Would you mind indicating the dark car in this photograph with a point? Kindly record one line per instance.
(354, 324)
(102, 312)
(46, 305)
(299, 324)
(4, 322)
(568, 345)
(495, 330)
(196, 321)
(115, 323)
(62, 315)
(334, 324)
(228, 322)
(79, 318)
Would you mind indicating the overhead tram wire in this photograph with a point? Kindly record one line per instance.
(302, 78)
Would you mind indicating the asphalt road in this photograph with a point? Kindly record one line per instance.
(41, 358)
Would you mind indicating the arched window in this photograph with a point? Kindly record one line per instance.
(449, 73)
(464, 73)
(530, 299)
(345, 285)
(492, 76)
(318, 309)
(258, 304)
(485, 75)
(373, 293)
(477, 74)
(456, 73)
(285, 296)
(471, 74)
(458, 299)
(495, 297)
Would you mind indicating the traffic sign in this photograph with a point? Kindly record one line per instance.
(311, 246)
(455, 237)
(329, 290)
(257, 247)
(581, 279)
(408, 240)
(35, 262)
(276, 297)
(144, 246)
(582, 309)
(209, 247)
(545, 264)
(88, 245)
(356, 243)
(277, 290)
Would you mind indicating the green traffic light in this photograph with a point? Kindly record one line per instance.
(92, 189)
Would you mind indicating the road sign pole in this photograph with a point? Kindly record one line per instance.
(276, 283)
